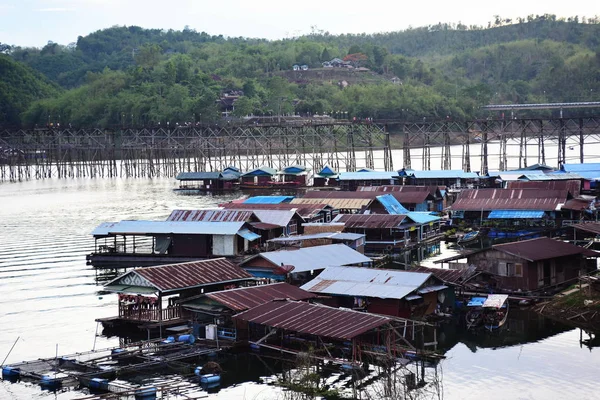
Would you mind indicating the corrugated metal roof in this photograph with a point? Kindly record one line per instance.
(337, 203)
(551, 176)
(573, 186)
(578, 204)
(454, 276)
(167, 227)
(585, 167)
(509, 199)
(442, 174)
(516, 214)
(313, 319)
(593, 227)
(321, 235)
(312, 258)
(368, 176)
(371, 221)
(542, 249)
(429, 289)
(268, 199)
(367, 282)
(173, 277)
(327, 171)
(195, 176)
(261, 171)
(306, 211)
(275, 217)
(422, 217)
(391, 205)
(210, 215)
(245, 298)
(264, 226)
(409, 197)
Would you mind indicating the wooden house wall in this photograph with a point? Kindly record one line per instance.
(535, 274)
(191, 245)
(224, 245)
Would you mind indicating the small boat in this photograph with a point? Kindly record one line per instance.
(495, 311)
(474, 315)
(469, 238)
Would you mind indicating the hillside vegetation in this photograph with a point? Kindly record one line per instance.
(135, 76)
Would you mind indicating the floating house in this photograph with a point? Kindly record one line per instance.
(145, 243)
(194, 182)
(535, 264)
(350, 181)
(147, 295)
(452, 179)
(588, 171)
(293, 175)
(343, 202)
(302, 263)
(309, 212)
(414, 198)
(385, 232)
(528, 204)
(382, 291)
(327, 177)
(218, 307)
(259, 178)
(294, 326)
(355, 241)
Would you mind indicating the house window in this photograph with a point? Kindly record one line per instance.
(328, 217)
(510, 269)
(292, 228)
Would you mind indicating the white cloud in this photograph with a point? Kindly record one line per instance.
(55, 9)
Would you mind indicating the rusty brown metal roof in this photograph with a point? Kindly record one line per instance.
(305, 210)
(341, 204)
(403, 196)
(264, 226)
(453, 276)
(543, 249)
(172, 277)
(313, 319)
(577, 204)
(370, 221)
(573, 186)
(509, 199)
(434, 191)
(244, 298)
(211, 215)
(593, 227)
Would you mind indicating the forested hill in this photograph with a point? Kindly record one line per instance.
(130, 75)
(20, 85)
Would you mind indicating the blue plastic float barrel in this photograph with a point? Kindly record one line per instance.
(115, 353)
(50, 383)
(11, 374)
(170, 339)
(210, 378)
(147, 393)
(99, 384)
(186, 339)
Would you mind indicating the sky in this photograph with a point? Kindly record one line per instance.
(35, 22)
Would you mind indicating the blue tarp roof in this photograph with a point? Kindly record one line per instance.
(268, 199)
(262, 171)
(391, 205)
(516, 214)
(246, 234)
(326, 171)
(477, 301)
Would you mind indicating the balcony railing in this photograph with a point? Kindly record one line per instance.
(149, 314)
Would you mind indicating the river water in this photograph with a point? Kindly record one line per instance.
(50, 298)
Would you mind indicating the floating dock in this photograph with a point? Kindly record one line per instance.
(99, 369)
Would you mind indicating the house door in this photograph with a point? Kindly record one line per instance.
(547, 273)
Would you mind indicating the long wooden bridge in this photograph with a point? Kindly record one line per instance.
(158, 151)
